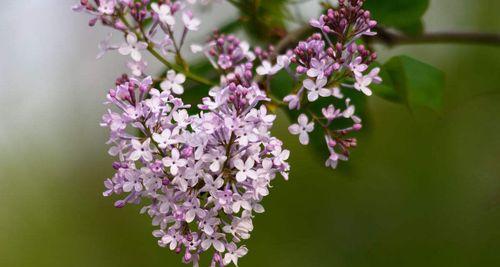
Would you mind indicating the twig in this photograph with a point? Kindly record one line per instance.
(391, 38)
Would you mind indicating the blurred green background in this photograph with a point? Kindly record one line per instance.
(422, 189)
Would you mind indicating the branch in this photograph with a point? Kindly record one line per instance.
(390, 38)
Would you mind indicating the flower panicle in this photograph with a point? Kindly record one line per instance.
(327, 65)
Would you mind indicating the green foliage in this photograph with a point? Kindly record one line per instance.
(409, 81)
(263, 19)
(404, 15)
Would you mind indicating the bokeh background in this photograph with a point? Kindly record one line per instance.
(422, 189)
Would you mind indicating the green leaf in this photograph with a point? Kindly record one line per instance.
(263, 19)
(411, 82)
(386, 89)
(404, 15)
(231, 26)
(413, 29)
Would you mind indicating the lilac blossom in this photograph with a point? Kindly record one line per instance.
(174, 82)
(164, 13)
(302, 129)
(133, 47)
(328, 63)
(206, 169)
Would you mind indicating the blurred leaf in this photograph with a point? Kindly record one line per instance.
(404, 15)
(409, 81)
(281, 84)
(231, 26)
(386, 89)
(263, 19)
(413, 29)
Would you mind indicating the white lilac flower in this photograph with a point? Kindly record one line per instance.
(190, 22)
(358, 67)
(216, 160)
(141, 150)
(330, 113)
(268, 69)
(213, 240)
(137, 68)
(107, 7)
(174, 82)
(245, 169)
(174, 162)
(318, 68)
(234, 253)
(196, 48)
(283, 61)
(165, 139)
(293, 101)
(316, 89)
(133, 47)
(164, 13)
(105, 46)
(349, 111)
(302, 129)
(363, 81)
(181, 117)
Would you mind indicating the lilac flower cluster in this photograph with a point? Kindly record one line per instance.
(200, 177)
(203, 175)
(327, 64)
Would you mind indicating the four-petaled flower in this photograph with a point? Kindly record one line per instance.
(213, 240)
(164, 13)
(174, 161)
(133, 47)
(303, 128)
(165, 138)
(174, 82)
(141, 150)
(190, 22)
(316, 89)
(245, 169)
(234, 253)
(107, 7)
(363, 81)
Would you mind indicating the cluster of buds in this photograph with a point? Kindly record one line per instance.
(346, 23)
(226, 52)
(328, 63)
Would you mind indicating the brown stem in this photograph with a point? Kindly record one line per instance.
(391, 38)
